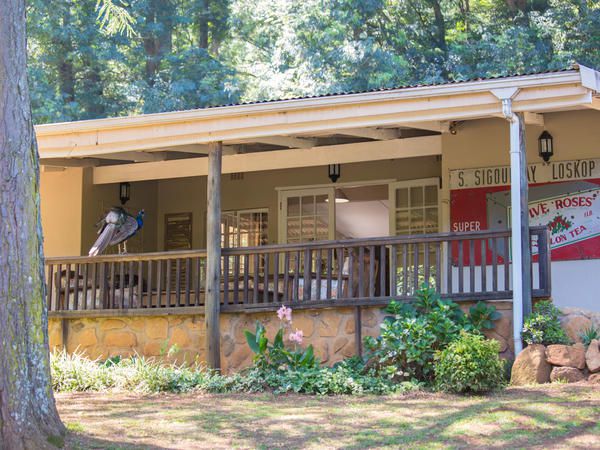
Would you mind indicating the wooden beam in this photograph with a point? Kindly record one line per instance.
(135, 156)
(199, 149)
(533, 119)
(213, 256)
(285, 141)
(274, 160)
(595, 104)
(431, 126)
(380, 134)
(70, 162)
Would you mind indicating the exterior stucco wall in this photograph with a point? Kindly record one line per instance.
(61, 194)
(332, 332)
(484, 143)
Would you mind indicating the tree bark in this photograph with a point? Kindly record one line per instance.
(28, 416)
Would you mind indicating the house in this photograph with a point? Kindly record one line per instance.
(332, 204)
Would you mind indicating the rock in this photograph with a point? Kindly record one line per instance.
(592, 356)
(566, 355)
(152, 349)
(566, 374)
(180, 338)
(157, 328)
(82, 340)
(368, 318)
(329, 324)
(339, 343)
(303, 322)
(574, 325)
(227, 345)
(350, 327)
(121, 339)
(111, 324)
(594, 378)
(503, 326)
(531, 367)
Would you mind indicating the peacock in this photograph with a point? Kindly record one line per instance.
(116, 227)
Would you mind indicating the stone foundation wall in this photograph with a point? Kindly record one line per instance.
(332, 332)
(576, 320)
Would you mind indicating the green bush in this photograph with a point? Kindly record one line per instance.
(469, 364)
(543, 326)
(413, 333)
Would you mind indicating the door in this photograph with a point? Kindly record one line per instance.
(414, 210)
(306, 215)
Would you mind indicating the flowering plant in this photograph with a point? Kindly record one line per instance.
(276, 355)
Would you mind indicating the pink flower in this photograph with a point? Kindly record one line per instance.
(285, 313)
(297, 336)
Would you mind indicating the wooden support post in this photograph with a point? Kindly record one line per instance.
(213, 256)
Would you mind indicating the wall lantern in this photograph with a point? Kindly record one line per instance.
(124, 192)
(334, 172)
(545, 146)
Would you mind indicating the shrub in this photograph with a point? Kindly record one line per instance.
(411, 336)
(543, 326)
(469, 364)
(589, 334)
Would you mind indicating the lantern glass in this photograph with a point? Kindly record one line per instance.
(546, 149)
(124, 192)
(334, 172)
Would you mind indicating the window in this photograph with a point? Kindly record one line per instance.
(246, 228)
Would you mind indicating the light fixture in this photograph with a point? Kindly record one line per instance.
(546, 148)
(334, 172)
(124, 192)
(340, 197)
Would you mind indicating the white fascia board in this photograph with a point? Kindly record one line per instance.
(547, 79)
(590, 78)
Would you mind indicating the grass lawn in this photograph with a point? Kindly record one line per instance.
(558, 416)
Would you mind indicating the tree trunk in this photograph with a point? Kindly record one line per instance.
(28, 416)
(66, 72)
(158, 40)
(202, 18)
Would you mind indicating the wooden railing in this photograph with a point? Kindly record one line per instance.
(462, 266)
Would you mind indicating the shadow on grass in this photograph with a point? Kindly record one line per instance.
(509, 419)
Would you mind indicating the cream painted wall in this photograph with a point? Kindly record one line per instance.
(483, 143)
(98, 198)
(258, 190)
(61, 206)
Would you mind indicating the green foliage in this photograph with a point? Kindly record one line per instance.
(589, 334)
(277, 356)
(469, 364)
(75, 373)
(192, 53)
(543, 326)
(410, 337)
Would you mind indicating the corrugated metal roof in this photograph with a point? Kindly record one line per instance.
(395, 88)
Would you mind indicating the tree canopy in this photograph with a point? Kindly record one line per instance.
(187, 54)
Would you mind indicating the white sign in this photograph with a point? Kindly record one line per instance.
(536, 173)
(571, 217)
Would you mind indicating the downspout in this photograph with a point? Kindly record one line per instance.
(515, 219)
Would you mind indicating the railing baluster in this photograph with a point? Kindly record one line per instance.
(140, 285)
(197, 282)
(256, 279)
(394, 271)
(405, 274)
(246, 278)
(328, 271)
(103, 287)
(130, 279)
(178, 282)
(159, 279)
(494, 264)
(307, 274)
(168, 284)
(286, 277)
(416, 267)
(225, 279)
(149, 296)
(461, 276)
(318, 274)
(266, 279)
(361, 272)
(483, 243)
(296, 291)
(438, 267)
(188, 284)
(372, 273)
(449, 271)
(94, 281)
(276, 277)
(236, 279)
(122, 285)
(67, 298)
(84, 293)
(340, 275)
(426, 267)
(50, 292)
(350, 273)
(506, 266)
(382, 270)
(76, 287)
(472, 265)
(112, 286)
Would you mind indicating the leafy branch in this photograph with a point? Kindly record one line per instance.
(115, 19)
